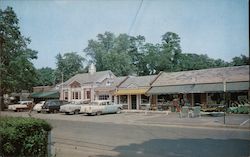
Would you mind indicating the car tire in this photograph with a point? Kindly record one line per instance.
(76, 111)
(118, 111)
(98, 113)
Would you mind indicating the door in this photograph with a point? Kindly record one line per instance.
(133, 102)
(197, 99)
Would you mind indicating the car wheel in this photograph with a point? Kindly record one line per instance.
(76, 111)
(67, 113)
(38, 111)
(98, 113)
(118, 111)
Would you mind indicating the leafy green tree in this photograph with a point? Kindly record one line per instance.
(16, 69)
(45, 77)
(109, 52)
(69, 64)
(242, 60)
(170, 52)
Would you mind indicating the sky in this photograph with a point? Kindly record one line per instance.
(218, 28)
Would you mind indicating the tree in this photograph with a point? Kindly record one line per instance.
(45, 77)
(170, 52)
(109, 52)
(69, 64)
(16, 69)
(242, 60)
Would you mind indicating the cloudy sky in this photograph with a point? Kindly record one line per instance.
(218, 28)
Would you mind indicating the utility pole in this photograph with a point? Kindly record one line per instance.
(62, 86)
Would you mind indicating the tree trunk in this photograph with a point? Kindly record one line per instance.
(1, 88)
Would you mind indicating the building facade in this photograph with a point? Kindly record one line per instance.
(207, 87)
(81, 87)
(131, 93)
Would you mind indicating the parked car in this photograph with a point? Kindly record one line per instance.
(52, 106)
(38, 106)
(101, 107)
(73, 107)
(21, 106)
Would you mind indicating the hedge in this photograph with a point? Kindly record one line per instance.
(21, 136)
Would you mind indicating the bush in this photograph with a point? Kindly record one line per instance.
(23, 136)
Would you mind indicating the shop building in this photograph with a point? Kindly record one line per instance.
(207, 87)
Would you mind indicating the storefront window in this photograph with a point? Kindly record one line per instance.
(144, 99)
(76, 95)
(65, 95)
(123, 99)
(88, 94)
(215, 98)
(103, 97)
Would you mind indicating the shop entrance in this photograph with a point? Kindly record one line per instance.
(133, 102)
(197, 99)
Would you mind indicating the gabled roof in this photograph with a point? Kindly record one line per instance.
(114, 82)
(138, 81)
(215, 75)
(87, 78)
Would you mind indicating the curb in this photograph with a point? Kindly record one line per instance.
(234, 127)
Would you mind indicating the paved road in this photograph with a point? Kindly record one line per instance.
(74, 138)
(139, 134)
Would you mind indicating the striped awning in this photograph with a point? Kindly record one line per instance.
(131, 91)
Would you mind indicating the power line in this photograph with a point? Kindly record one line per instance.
(134, 20)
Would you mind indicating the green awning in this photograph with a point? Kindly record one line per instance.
(236, 86)
(49, 94)
(199, 88)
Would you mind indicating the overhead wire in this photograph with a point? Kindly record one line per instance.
(135, 18)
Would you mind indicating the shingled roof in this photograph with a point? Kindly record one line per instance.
(113, 84)
(138, 81)
(215, 75)
(86, 78)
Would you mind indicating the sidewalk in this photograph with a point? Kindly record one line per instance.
(237, 121)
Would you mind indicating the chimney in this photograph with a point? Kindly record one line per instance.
(92, 68)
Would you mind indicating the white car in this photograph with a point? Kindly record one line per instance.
(23, 105)
(99, 107)
(72, 107)
(38, 106)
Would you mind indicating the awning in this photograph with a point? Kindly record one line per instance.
(131, 91)
(50, 94)
(237, 86)
(199, 88)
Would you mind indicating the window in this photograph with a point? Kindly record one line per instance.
(144, 99)
(65, 95)
(88, 94)
(103, 97)
(123, 99)
(76, 95)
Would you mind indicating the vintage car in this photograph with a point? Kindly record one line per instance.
(99, 107)
(38, 106)
(21, 106)
(73, 107)
(53, 106)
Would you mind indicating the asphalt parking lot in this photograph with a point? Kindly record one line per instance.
(239, 121)
(145, 134)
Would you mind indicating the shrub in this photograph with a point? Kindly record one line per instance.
(21, 136)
